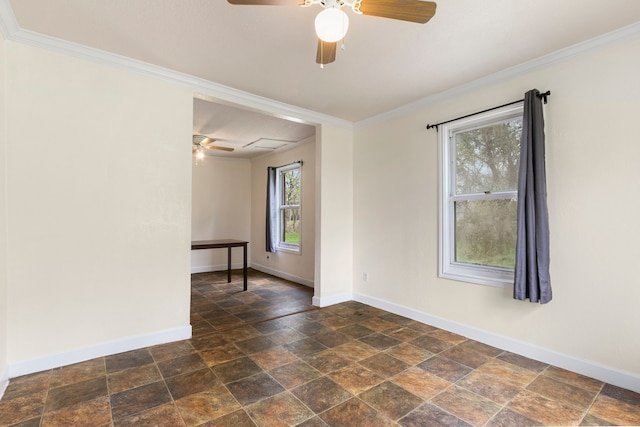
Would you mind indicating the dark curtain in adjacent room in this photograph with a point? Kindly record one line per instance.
(272, 214)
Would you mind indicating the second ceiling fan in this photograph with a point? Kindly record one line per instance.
(332, 23)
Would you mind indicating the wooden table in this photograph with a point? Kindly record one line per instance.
(226, 243)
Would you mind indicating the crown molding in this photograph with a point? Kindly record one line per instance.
(8, 23)
(202, 88)
(209, 90)
(628, 32)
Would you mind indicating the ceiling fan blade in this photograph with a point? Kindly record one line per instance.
(208, 144)
(326, 52)
(218, 147)
(268, 2)
(404, 10)
(199, 139)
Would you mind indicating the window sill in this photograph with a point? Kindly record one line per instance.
(479, 276)
(289, 249)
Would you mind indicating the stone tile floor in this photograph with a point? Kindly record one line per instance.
(266, 357)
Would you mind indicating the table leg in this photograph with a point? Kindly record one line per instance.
(229, 264)
(244, 265)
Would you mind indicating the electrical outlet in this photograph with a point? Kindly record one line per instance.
(365, 277)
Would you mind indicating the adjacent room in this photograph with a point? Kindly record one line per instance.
(437, 201)
(230, 183)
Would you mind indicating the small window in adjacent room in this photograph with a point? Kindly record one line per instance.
(478, 198)
(288, 182)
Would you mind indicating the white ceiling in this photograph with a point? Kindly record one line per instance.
(269, 51)
(250, 134)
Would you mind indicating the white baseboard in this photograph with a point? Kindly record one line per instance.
(627, 380)
(282, 275)
(331, 300)
(218, 267)
(4, 380)
(57, 360)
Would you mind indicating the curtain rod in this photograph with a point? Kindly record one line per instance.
(540, 95)
(288, 164)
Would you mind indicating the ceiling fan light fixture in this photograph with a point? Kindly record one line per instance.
(331, 25)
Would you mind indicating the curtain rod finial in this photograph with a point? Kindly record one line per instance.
(544, 96)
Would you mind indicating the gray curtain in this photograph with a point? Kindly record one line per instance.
(272, 211)
(532, 279)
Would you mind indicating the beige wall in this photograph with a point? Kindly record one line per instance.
(593, 178)
(99, 184)
(221, 209)
(335, 215)
(292, 266)
(4, 372)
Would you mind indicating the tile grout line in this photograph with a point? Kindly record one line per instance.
(265, 320)
(164, 381)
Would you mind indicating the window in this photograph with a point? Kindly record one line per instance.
(288, 201)
(478, 199)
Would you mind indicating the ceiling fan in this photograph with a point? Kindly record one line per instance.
(332, 23)
(200, 143)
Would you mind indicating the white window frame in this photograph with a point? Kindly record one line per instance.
(284, 246)
(448, 268)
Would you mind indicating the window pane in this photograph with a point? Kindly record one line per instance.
(487, 158)
(291, 226)
(291, 187)
(485, 232)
